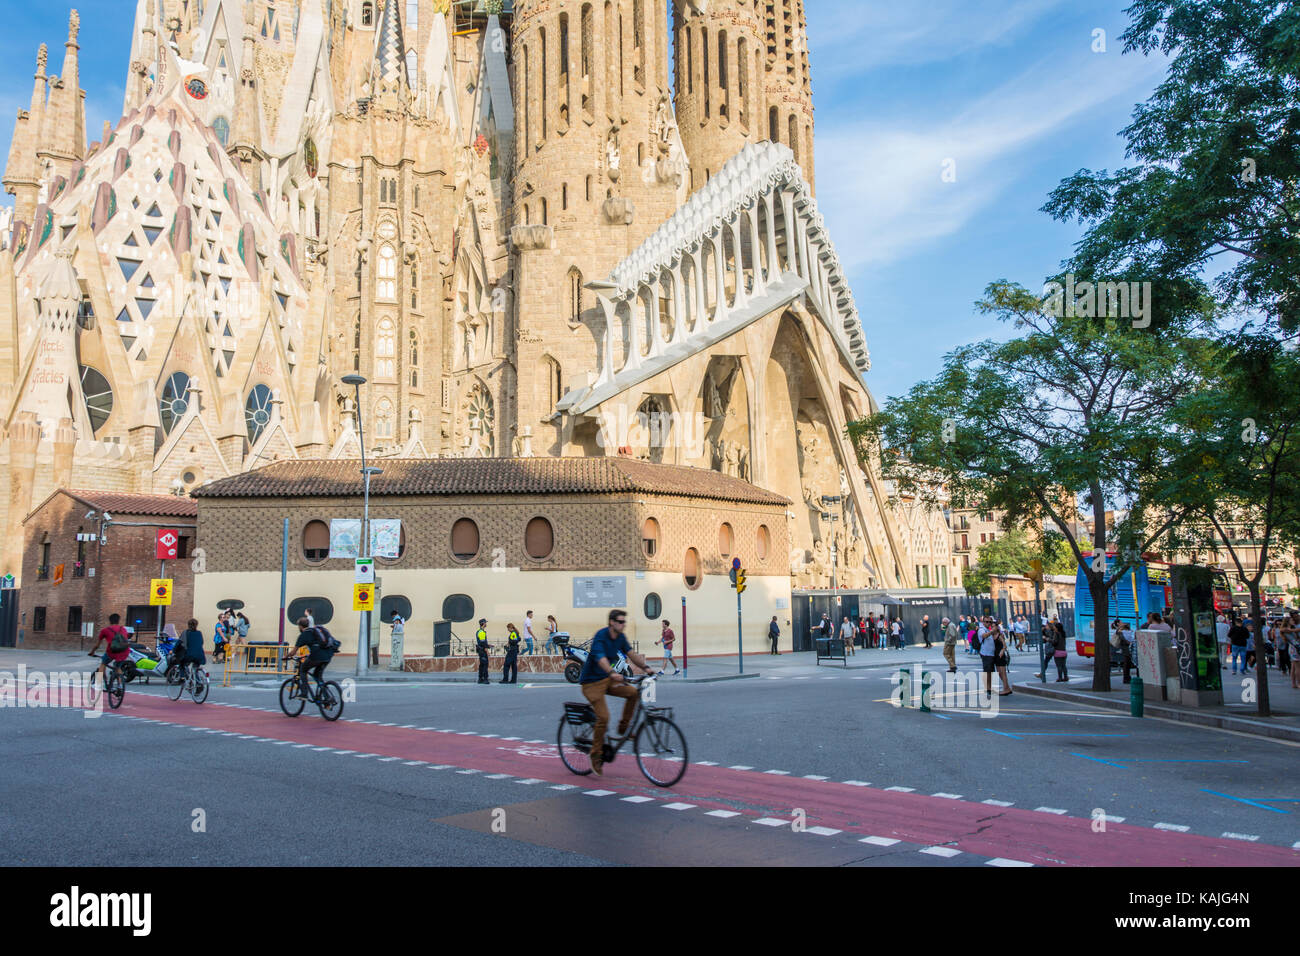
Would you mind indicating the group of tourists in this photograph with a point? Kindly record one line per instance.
(1236, 636)
(866, 632)
(231, 628)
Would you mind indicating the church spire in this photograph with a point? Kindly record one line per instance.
(21, 175)
(388, 73)
(67, 114)
(244, 132)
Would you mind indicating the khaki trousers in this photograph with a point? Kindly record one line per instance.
(950, 655)
(595, 693)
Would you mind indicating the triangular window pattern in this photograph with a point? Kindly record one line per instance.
(284, 300)
(216, 217)
(146, 282)
(67, 231)
(157, 175)
(230, 357)
(154, 211)
(221, 59)
(130, 241)
(142, 355)
(221, 259)
(128, 267)
(128, 341)
(145, 306)
(227, 332)
(124, 316)
(225, 284)
(152, 233)
(135, 202)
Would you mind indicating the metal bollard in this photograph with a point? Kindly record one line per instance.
(927, 678)
(1136, 697)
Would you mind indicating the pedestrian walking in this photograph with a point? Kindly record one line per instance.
(241, 629)
(528, 633)
(666, 641)
(1001, 658)
(1059, 654)
(481, 645)
(1221, 627)
(846, 634)
(510, 669)
(1286, 627)
(552, 628)
(774, 634)
(950, 632)
(873, 631)
(862, 633)
(925, 629)
(1238, 638)
(988, 656)
(896, 634)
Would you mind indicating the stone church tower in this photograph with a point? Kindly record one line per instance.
(502, 214)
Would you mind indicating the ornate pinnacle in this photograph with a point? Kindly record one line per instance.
(74, 26)
(42, 57)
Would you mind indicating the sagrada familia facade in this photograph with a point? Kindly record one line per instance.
(528, 237)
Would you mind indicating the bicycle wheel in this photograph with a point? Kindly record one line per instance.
(291, 705)
(199, 685)
(175, 675)
(116, 690)
(177, 687)
(574, 741)
(661, 751)
(329, 700)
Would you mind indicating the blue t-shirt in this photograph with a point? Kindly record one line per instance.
(605, 645)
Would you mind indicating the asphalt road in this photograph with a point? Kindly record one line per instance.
(800, 766)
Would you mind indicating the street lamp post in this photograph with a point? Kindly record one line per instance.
(363, 635)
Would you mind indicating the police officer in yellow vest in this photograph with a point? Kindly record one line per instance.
(481, 642)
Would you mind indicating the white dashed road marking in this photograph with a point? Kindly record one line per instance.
(598, 793)
(724, 814)
(824, 831)
(1177, 827)
(997, 803)
(1049, 810)
(878, 841)
(947, 796)
(1002, 861)
(638, 799)
(943, 851)
(902, 789)
(771, 822)
(1241, 836)
(857, 783)
(679, 806)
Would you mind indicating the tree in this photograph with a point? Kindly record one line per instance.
(1239, 459)
(1217, 150)
(1073, 403)
(1009, 554)
(1057, 556)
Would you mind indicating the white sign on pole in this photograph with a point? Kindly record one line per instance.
(365, 570)
(345, 537)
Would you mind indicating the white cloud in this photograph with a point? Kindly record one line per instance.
(849, 36)
(880, 186)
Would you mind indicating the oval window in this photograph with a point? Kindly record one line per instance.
(394, 604)
(764, 542)
(464, 539)
(654, 606)
(691, 569)
(650, 537)
(316, 541)
(458, 608)
(539, 539)
(322, 611)
(726, 540)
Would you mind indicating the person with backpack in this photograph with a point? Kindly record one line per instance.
(320, 646)
(117, 646)
(189, 649)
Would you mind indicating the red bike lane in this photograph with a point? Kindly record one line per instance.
(1011, 833)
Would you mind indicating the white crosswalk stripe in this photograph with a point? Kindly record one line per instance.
(878, 841)
(1176, 827)
(679, 806)
(943, 851)
(772, 822)
(723, 814)
(823, 831)
(997, 803)
(1002, 861)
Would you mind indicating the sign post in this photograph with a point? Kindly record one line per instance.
(738, 582)
(684, 658)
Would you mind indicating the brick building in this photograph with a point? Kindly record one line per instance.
(495, 538)
(104, 544)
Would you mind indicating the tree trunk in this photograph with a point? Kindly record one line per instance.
(1261, 665)
(1100, 630)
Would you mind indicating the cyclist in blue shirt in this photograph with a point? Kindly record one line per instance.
(598, 679)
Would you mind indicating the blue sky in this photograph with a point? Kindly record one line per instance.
(1009, 90)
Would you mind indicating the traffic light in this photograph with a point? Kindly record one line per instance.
(1035, 571)
(740, 581)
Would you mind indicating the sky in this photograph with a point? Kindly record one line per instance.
(1008, 96)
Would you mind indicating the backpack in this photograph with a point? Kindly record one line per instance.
(119, 643)
(324, 640)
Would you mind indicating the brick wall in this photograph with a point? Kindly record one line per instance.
(122, 571)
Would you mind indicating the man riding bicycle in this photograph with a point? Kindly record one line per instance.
(598, 678)
(114, 631)
(318, 658)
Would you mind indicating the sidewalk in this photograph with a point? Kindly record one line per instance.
(1234, 714)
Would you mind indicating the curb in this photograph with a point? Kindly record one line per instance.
(714, 680)
(1241, 725)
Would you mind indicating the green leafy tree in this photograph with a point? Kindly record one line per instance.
(1057, 556)
(1009, 554)
(1239, 458)
(1073, 404)
(1216, 160)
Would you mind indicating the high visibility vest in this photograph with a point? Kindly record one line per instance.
(481, 636)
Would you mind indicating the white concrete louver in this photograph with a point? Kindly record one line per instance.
(763, 176)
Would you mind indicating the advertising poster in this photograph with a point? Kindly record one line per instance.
(345, 537)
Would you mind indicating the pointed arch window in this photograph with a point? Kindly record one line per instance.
(384, 419)
(413, 357)
(576, 303)
(415, 283)
(386, 350)
(257, 412)
(98, 395)
(386, 287)
(412, 16)
(221, 126)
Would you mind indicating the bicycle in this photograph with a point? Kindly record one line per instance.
(659, 743)
(327, 696)
(113, 685)
(193, 679)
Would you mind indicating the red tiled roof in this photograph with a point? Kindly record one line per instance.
(485, 476)
(115, 502)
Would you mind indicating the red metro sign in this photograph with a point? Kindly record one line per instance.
(168, 544)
